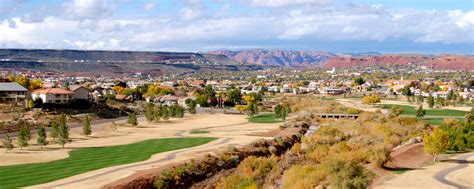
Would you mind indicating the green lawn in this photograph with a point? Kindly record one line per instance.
(198, 132)
(88, 159)
(327, 99)
(265, 118)
(411, 110)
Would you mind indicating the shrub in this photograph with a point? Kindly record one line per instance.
(348, 174)
(304, 176)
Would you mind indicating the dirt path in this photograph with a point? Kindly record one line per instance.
(425, 177)
(230, 129)
(463, 164)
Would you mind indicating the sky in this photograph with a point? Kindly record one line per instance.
(349, 26)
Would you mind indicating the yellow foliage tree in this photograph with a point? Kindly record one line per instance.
(371, 100)
(436, 143)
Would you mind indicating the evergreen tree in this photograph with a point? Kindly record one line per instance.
(191, 106)
(431, 101)
(278, 111)
(149, 113)
(63, 134)
(420, 112)
(252, 109)
(7, 143)
(166, 113)
(23, 137)
(54, 130)
(41, 140)
(158, 113)
(86, 126)
(132, 119)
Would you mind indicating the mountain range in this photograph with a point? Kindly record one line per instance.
(152, 62)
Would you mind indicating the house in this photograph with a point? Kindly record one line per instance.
(53, 95)
(80, 93)
(13, 93)
(169, 100)
(99, 92)
(331, 91)
(124, 98)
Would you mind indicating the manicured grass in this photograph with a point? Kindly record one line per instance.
(411, 110)
(198, 132)
(436, 121)
(327, 99)
(265, 118)
(88, 159)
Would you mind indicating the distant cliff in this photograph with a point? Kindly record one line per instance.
(81, 61)
(276, 57)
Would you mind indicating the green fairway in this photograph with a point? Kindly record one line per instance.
(411, 110)
(88, 159)
(436, 121)
(327, 99)
(198, 132)
(265, 118)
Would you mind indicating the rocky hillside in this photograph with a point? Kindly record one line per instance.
(111, 62)
(443, 62)
(289, 58)
(276, 57)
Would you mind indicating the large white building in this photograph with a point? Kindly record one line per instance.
(53, 95)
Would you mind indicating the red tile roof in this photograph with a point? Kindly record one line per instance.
(52, 91)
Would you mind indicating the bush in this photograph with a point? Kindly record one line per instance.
(304, 176)
(348, 174)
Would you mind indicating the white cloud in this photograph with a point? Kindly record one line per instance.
(194, 28)
(283, 3)
(90, 9)
(150, 5)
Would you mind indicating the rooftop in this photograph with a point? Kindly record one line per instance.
(12, 86)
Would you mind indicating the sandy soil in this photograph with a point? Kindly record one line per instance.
(425, 177)
(230, 129)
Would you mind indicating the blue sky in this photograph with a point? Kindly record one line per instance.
(388, 26)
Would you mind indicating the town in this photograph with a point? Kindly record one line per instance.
(72, 109)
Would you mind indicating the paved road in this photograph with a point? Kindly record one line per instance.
(463, 163)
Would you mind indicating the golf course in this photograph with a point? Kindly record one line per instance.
(92, 158)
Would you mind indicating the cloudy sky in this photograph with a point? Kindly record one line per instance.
(405, 26)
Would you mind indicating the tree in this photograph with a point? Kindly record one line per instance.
(281, 111)
(419, 99)
(41, 140)
(359, 81)
(158, 113)
(166, 113)
(371, 100)
(420, 112)
(86, 126)
(436, 143)
(278, 110)
(396, 111)
(63, 134)
(54, 130)
(191, 106)
(431, 101)
(132, 119)
(469, 117)
(7, 143)
(149, 112)
(234, 96)
(252, 109)
(23, 136)
(23, 81)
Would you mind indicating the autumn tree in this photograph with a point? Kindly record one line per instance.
(436, 143)
(371, 100)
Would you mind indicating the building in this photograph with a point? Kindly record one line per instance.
(13, 93)
(53, 95)
(80, 93)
